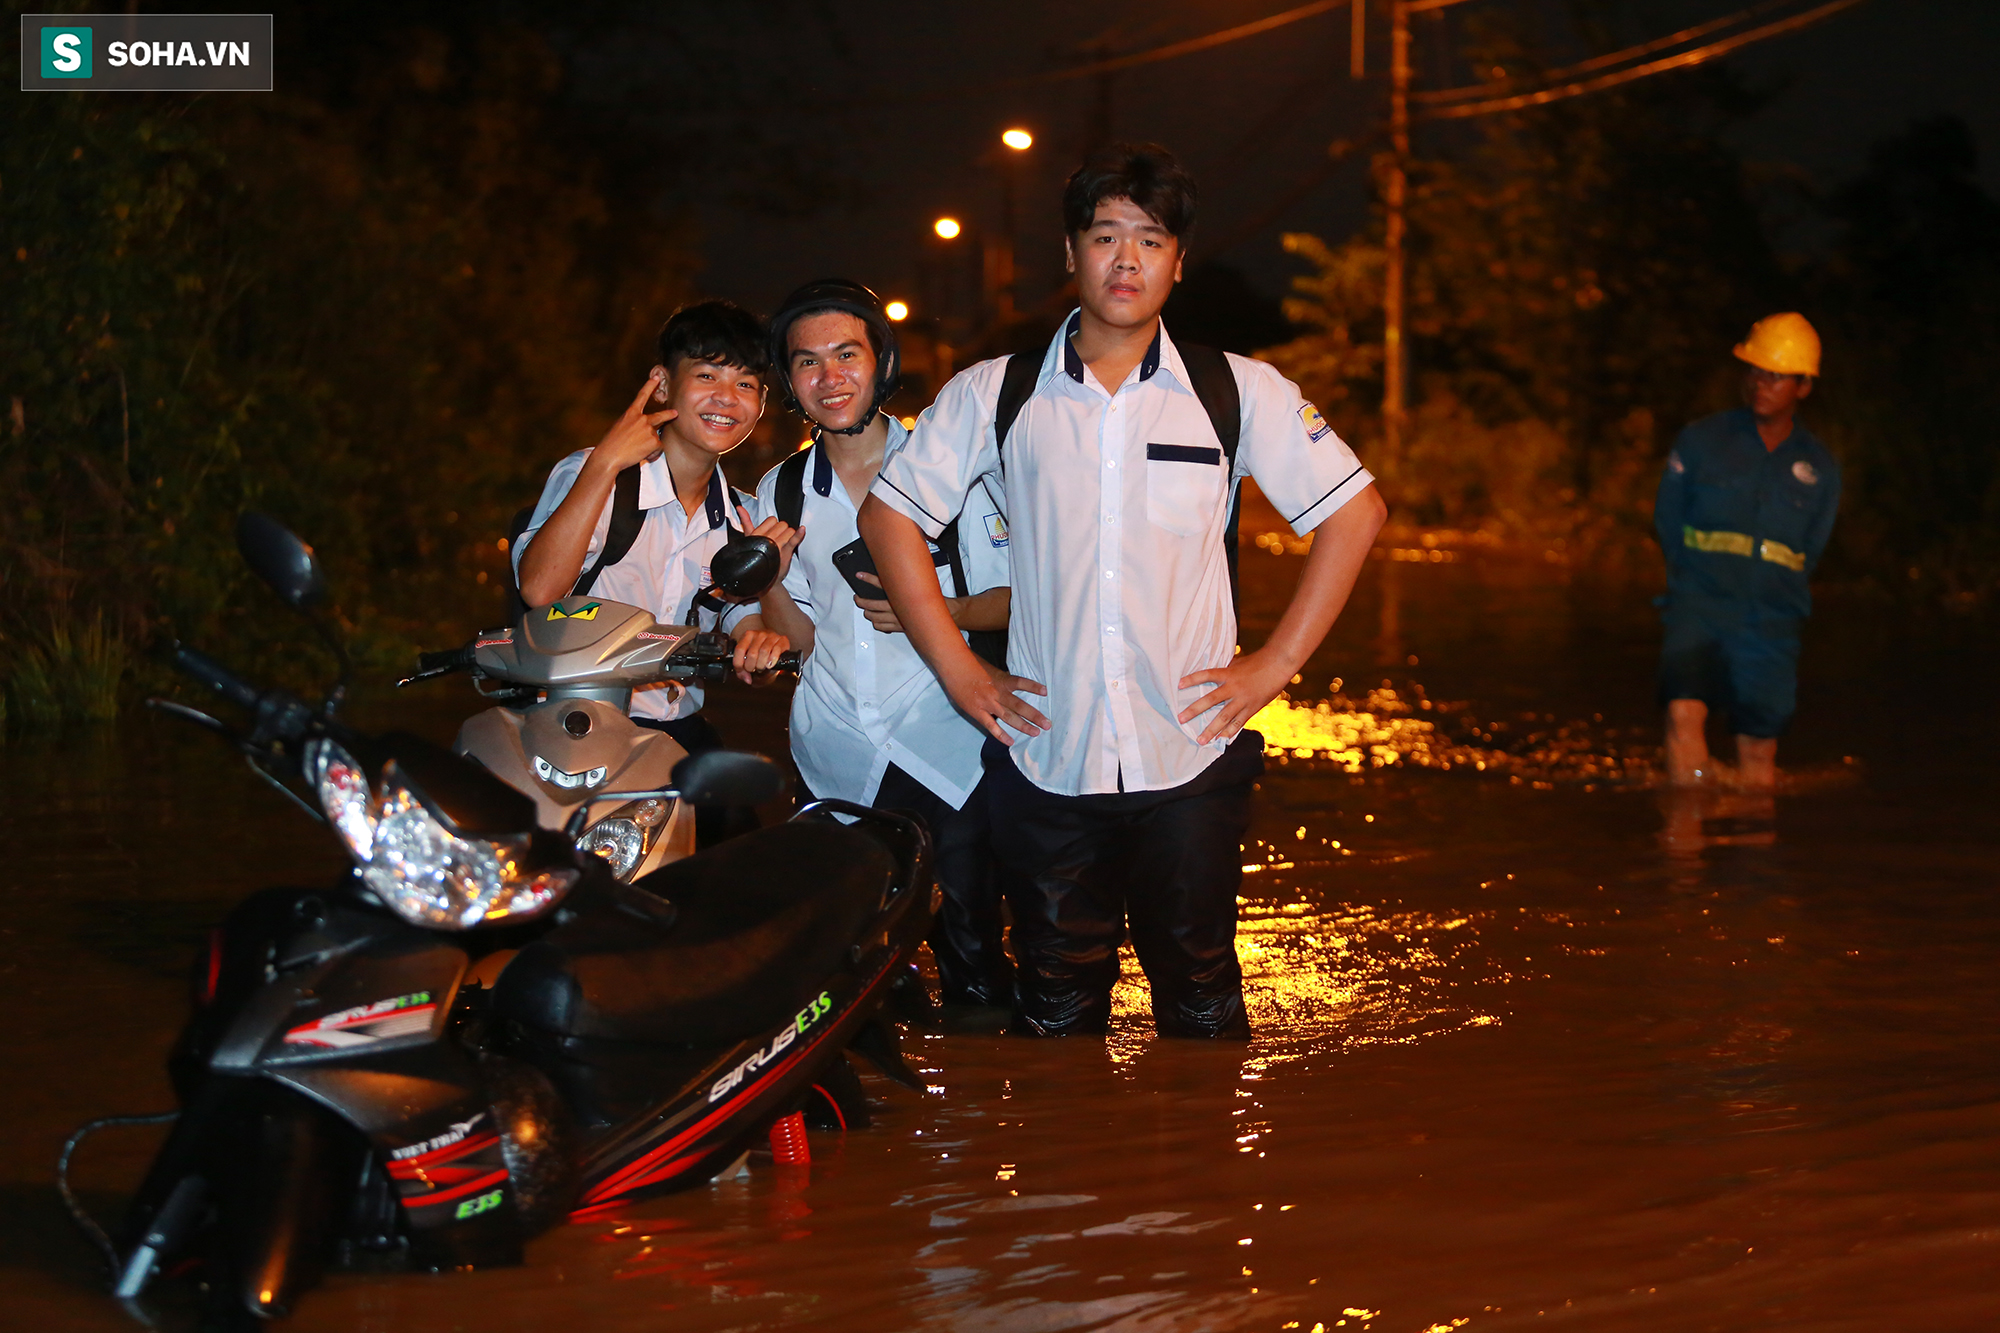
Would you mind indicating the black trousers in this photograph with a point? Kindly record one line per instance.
(712, 823)
(972, 963)
(1078, 869)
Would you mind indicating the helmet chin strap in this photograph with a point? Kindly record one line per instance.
(858, 428)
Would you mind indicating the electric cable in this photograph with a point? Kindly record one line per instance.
(78, 1213)
(1687, 59)
(1170, 51)
(1499, 87)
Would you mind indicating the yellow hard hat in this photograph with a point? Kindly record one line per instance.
(1782, 344)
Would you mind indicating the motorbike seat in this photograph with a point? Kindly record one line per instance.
(761, 922)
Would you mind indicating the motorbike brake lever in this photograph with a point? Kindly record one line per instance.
(432, 665)
(431, 674)
(194, 715)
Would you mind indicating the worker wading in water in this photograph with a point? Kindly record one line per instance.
(1746, 505)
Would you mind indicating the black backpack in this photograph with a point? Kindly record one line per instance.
(1214, 384)
(626, 520)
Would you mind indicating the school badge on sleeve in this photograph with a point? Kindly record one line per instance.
(996, 529)
(1314, 423)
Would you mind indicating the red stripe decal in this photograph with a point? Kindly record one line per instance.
(470, 1187)
(638, 1173)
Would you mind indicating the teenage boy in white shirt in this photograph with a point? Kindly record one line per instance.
(870, 723)
(1130, 798)
(702, 399)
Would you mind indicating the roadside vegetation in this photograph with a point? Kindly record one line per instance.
(378, 314)
(1578, 276)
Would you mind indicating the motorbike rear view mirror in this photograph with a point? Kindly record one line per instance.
(279, 558)
(276, 555)
(728, 777)
(744, 568)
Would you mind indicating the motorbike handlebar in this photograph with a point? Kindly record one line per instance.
(441, 663)
(709, 657)
(451, 659)
(717, 665)
(217, 677)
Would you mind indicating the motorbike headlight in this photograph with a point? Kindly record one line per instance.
(419, 868)
(618, 841)
(347, 796)
(430, 876)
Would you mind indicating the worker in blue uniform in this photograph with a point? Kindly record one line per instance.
(1745, 507)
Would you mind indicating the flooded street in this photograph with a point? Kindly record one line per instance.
(1537, 1045)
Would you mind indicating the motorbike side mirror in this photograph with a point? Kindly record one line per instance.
(728, 777)
(279, 558)
(744, 568)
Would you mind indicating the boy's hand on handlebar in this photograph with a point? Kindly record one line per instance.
(635, 437)
(758, 651)
(991, 698)
(782, 534)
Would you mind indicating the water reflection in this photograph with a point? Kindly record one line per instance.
(1387, 728)
(1697, 818)
(1530, 1041)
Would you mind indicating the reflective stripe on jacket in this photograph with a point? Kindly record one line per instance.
(1742, 526)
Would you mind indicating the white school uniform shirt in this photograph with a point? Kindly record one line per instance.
(867, 699)
(1118, 510)
(666, 566)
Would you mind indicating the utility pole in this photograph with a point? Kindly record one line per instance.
(1394, 357)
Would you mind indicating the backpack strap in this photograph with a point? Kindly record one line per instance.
(791, 496)
(1017, 384)
(1214, 383)
(626, 520)
(947, 542)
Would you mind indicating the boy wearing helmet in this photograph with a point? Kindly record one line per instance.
(1127, 803)
(870, 723)
(1745, 508)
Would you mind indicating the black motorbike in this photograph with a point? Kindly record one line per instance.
(480, 1031)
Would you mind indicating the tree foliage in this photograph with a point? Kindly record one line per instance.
(1572, 274)
(378, 316)
(1578, 274)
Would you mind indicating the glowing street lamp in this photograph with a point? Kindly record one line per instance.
(947, 228)
(1001, 259)
(897, 310)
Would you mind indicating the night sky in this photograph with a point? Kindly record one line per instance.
(888, 115)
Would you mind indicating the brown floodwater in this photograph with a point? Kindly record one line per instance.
(1537, 1045)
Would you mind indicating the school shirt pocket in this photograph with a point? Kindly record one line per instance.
(1184, 487)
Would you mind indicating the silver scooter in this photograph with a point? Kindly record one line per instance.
(560, 731)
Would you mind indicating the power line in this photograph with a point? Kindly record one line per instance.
(1685, 35)
(1686, 59)
(1192, 44)
(1170, 51)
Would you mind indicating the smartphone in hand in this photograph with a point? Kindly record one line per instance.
(853, 560)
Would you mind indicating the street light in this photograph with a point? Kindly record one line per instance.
(947, 228)
(1000, 253)
(897, 310)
